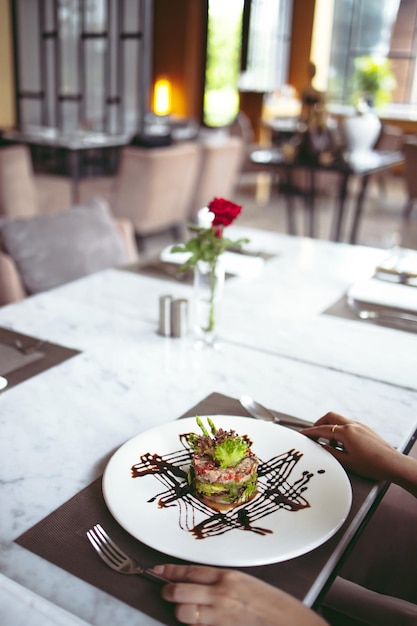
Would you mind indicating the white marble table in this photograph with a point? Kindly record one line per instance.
(281, 310)
(58, 429)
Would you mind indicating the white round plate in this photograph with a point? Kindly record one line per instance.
(314, 497)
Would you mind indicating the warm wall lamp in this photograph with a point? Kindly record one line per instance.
(162, 97)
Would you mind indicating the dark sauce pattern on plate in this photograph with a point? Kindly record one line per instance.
(275, 492)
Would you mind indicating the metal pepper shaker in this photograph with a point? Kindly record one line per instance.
(165, 315)
(179, 317)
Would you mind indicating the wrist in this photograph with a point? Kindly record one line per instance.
(405, 474)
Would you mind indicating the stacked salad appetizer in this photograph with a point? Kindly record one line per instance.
(223, 470)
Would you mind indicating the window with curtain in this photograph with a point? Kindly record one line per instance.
(82, 63)
(402, 52)
(380, 28)
(269, 41)
(248, 48)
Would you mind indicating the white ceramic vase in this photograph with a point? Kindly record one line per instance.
(361, 132)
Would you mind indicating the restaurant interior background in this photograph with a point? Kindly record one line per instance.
(266, 73)
(100, 359)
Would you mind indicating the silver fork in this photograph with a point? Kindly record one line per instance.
(115, 558)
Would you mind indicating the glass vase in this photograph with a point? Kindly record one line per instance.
(208, 292)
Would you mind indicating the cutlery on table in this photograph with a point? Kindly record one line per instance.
(392, 316)
(116, 558)
(259, 411)
(29, 349)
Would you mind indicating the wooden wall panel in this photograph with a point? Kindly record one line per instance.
(7, 100)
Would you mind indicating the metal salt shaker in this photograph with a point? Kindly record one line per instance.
(165, 315)
(179, 317)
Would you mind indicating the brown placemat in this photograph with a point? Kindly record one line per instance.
(60, 538)
(41, 356)
(11, 358)
(340, 308)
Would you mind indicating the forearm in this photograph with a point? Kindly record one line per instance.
(405, 474)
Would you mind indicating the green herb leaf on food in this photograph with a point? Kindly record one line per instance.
(231, 452)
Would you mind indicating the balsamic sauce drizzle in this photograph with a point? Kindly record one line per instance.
(275, 492)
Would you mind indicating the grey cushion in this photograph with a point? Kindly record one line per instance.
(50, 250)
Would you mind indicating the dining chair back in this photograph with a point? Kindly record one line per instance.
(220, 164)
(242, 127)
(154, 187)
(409, 149)
(391, 138)
(24, 193)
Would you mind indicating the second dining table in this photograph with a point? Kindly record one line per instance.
(347, 166)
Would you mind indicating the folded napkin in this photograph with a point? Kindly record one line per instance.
(373, 291)
(234, 263)
(400, 264)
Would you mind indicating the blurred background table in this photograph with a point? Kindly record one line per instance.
(361, 165)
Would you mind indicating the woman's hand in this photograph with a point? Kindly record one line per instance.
(223, 597)
(365, 452)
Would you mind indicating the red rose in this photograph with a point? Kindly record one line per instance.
(224, 211)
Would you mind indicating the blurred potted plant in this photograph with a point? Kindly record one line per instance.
(373, 81)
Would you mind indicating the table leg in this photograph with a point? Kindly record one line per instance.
(74, 170)
(358, 209)
(337, 229)
(290, 203)
(311, 204)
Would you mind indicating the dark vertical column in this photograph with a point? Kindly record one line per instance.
(13, 7)
(42, 56)
(120, 66)
(81, 70)
(58, 105)
(145, 61)
(107, 69)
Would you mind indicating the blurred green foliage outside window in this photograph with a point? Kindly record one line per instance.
(221, 96)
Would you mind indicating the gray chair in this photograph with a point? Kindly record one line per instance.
(409, 149)
(41, 252)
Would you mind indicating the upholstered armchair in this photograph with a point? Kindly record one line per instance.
(24, 193)
(220, 164)
(154, 186)
(44, 251)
